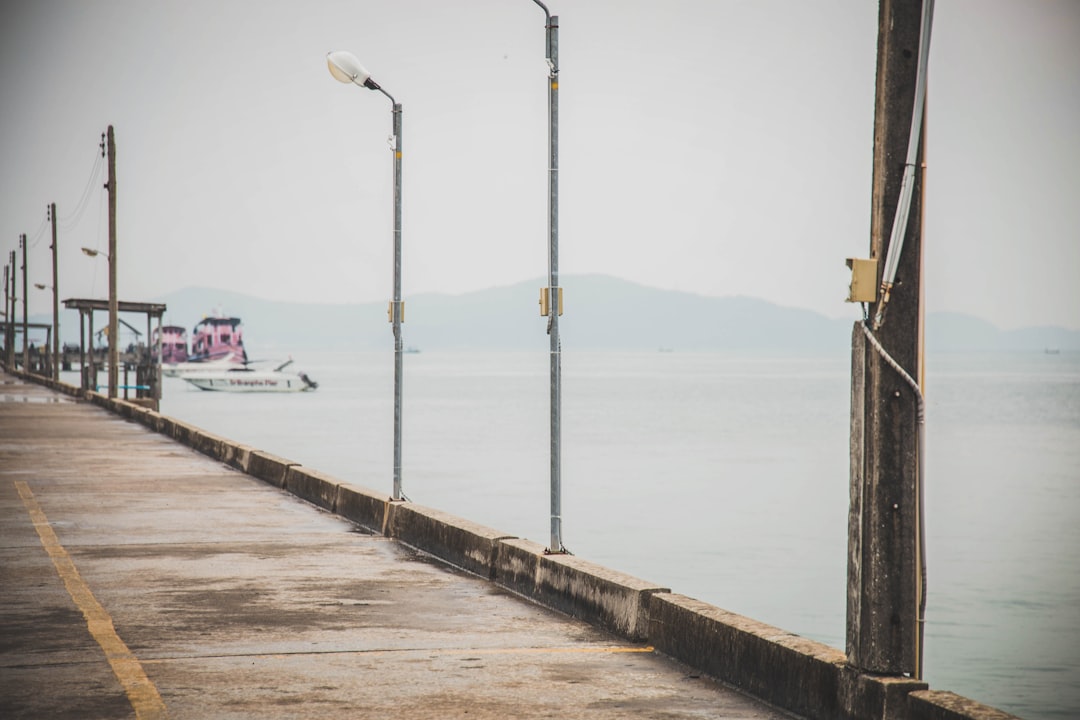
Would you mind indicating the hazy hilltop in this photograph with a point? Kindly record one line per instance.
(601, 313)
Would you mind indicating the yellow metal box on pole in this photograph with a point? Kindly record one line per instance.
(863, 286)
(545, 301)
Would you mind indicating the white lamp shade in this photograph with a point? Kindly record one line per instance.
(346, 68)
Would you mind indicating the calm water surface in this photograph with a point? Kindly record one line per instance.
(725, 477)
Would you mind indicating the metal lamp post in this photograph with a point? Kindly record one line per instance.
(347, 69)
(114, 341)
(551, 296)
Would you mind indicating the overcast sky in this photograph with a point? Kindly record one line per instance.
(720, 147)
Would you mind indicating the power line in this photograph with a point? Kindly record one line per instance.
(67, 222)
(33, 241)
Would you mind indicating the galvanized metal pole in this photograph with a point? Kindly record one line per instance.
(396, 308)
(55, 299)
(554, 305)
(114, 305)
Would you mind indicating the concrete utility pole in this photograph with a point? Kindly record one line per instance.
(11, 314)
(114, 306)
(55, 300)
(7, 315)
(25, 324)
(884, 588)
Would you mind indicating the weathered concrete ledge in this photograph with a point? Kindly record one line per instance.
(267, 467)
(864, 695)
(364, 507)
(459, 542)
(786, 670)
(311, 485)
(791, 672)
(941, 705)
(600, 596)
(151, 419)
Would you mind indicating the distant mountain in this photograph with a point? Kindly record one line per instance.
(955, 332)
(601, 312)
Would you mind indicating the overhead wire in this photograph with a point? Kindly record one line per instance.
(68, 222)
(32, 240)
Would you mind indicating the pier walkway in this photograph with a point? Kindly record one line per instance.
(140, 578)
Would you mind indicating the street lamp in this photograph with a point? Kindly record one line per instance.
(347, 69)
(551, 296)
(114, 345)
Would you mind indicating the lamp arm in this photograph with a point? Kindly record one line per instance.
(392, 100)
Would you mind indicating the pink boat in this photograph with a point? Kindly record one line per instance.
(173, 345)
(215, 338)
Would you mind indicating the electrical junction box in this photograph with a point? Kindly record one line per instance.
(863, 286)
(545, 301)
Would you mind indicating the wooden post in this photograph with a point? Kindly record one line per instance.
(25, 299)
(91, 383)
(7, 315)
(883, 573)
(55, 299)
(11, 316)
(83, 374)
(114, 329)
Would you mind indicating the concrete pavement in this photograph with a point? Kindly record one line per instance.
(139, 578)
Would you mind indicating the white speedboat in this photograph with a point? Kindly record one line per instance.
(245, 379)
(195, 367)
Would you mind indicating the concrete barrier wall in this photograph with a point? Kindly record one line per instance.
(875, 696)
(462, 543)
(786, 670)
(609, 599)
(267, 467)
(363, 507)
(517, 564)
(313, 486)
(939, 705)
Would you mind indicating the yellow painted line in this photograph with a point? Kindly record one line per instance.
(142, 693)
(416, 651)
(551, 650)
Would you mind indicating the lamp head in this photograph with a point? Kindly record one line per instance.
(347, 69)
(40, 286)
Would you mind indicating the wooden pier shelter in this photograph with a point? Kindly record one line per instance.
(147, 364)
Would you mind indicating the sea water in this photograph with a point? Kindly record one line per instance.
(725, 477)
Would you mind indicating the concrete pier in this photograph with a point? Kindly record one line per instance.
(141, 578)
(151, 569)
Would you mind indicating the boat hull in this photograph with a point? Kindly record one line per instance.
(250, 382)
(197, 368)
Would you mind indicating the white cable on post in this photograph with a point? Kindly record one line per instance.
(903, 206)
